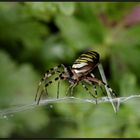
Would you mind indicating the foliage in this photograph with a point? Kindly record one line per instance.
(35, 36)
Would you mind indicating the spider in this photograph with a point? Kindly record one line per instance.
(79, 72)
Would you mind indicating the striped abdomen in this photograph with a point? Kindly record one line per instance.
(86, 63)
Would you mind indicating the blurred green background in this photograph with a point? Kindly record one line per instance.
(35, 36)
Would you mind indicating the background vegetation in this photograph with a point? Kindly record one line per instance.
(35, 36)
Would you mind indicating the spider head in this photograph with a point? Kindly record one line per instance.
(69, 75)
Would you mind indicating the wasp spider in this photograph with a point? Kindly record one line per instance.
(79, 72)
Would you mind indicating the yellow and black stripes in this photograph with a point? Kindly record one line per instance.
(85, 63)
(90, 56)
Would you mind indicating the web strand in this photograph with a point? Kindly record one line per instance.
(20, 108)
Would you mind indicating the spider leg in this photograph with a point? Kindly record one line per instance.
(92, 75)
(95, 90)
(102, 90)
(73, 88)
(52, 71)
(39, 85)
(86, 88)
(99, 82)
(47, 84)
(38, 89)
(70, 88)
(40, 96)
(58, 85)
(47, 74)
(110, 89)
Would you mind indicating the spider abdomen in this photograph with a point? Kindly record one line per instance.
(86, 63)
